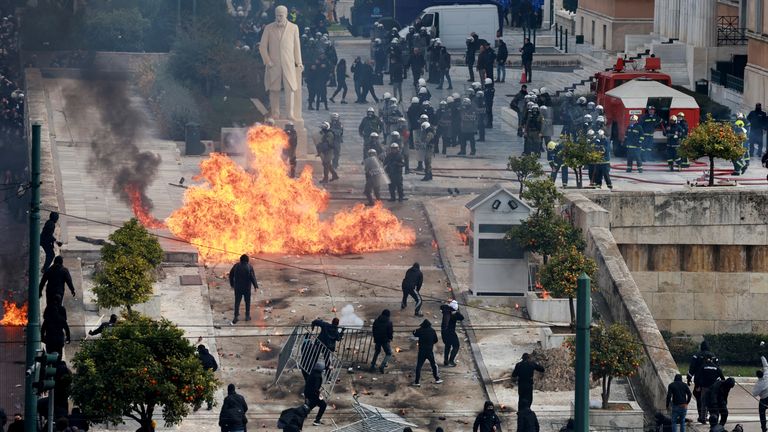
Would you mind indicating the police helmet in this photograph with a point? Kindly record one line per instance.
(535, 92)
(422, 90)
(387, 95)
(535, 107)
(543, 108)
(449, 99)
(425, 125)
(587, 117)
(475, 85)
(480, 93)
(335, 116)
(599, 108)
(442, 102)
(543, 90)
(740, 115)
(681, 114)
(488, 81)
(395, 134)
(395, 40)
(455, 95)
(374, 135)
(289, 125)
(673, 118)
(372, 152)
(393, 100)
(569, 94)
(601, 119)
(422, 82)
(377, 41)
(394, 28)
(590, 105)
(423, 117)
(269, 121)
(370, 110)
(394, 146)
(414, 100)
(581, 100)
(325, 125)
(529, 104)
(426, 102)
(466, 101)
(600, 132)
(590, 133)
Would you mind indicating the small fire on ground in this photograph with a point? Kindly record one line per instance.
(263, 210)
(13, 314)
(140, 209)
(264, 347)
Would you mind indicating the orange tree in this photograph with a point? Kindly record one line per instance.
(614, 352)
(525, 167)
(714, 140)
(560, 273)
(544, 232)
(578, 152)
(138, 366)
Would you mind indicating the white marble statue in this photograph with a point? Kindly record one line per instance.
(281, 51)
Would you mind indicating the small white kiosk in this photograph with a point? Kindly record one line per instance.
(499, 267)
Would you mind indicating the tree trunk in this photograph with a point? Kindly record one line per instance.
(572, 310)
(577, 173)
(606, 390)
(711, 171)
(521, 184)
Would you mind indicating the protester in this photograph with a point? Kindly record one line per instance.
(717, 401)
(760, 392)
(411, 286)
(312, 391)
(54, 281)
(382, 337)
(487, 420)
(427, 339)
(341, 81)
(526, 54)
(48, 240)
(678, 398)
(208, 362)
(451, 316)
(292, 419)
(241, 277)
(232, 417)
(524, 373)
(106, 325)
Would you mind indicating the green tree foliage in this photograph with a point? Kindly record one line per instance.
(560, 273)
(614, 352)
(577, 153)
(525, 167)
(133, 240)
(114, 30)
(542, 195)
(137, 367)
(713, 140)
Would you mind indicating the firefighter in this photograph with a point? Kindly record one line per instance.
(599, 124)
(338, 138)
(325, 151)
(591, 137)
(684, 162)
(426, 143)
(468, 127)
(585, 125)
(632, 142)
(444, 126)
(556, 162)
(649, 122)
(741, 164)
(489, 90)
(374, 177)
(393, 166)
(533, 126)
(602, 169)
(289, 153)
(674, 133)
(479, 103)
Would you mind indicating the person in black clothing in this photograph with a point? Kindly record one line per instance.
(47, 240)
(289, 153)
(396, 75)
(382, 337)
(502, 53)
(330, 333)
(487, 420)
(321, 89)
(663, 422)
(78, 420)
(411, 286)
(104, 326)
(341, 81)
(417, 65)
(3, 419)
(312, 388)
(357, 77)
(54, 332)
(54, 280)
(427, 340)
(292, 419)
(241, 277)
(208, 362)
(366, 82)
(527, 57)
(758, 123)
(444, 68)
(678, 396)
(717, 401)
(232, 417)
(524, 373)
(451, 316)
(526, 419)
(704, 371)
(469, 57)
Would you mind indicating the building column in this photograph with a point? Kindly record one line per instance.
(674, 19)
(682, 31)
(657, 17)
(663, 17)
(704, 24)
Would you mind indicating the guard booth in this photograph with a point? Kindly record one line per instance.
(499, 267)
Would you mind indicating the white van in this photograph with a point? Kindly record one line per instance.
(453, 24)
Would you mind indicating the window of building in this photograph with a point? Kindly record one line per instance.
(581, 32)
(592, 34)
(605, 35)
(499, 249)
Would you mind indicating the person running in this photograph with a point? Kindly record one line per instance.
(411, 286)
(427, 340)
(341, 81)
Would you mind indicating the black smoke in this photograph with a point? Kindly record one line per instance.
(115, 154)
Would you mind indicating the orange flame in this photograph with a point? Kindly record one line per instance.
(140, 210)
(545, 294)
(269, 212)
(14, 315)
(263, 347)
(398, 349)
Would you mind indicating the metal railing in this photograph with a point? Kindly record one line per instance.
(716, 77)
(727, 80)
(729, 33)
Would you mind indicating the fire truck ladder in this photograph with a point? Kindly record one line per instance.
(302, 350)
(575, 85)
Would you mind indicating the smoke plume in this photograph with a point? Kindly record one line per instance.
(115, 155)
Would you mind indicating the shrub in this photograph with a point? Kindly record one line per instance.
(738, 348)
(114, 30)
(173, 106)
(123, 282)
(133, 240)
(680, 345)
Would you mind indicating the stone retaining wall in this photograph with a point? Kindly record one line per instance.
(37, 113)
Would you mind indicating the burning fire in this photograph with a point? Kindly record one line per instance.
(545, 294)
(263, 347)
(140, 209)
(269, 212)
(13, 315)
(398, 349)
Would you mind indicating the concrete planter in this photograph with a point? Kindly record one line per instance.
(550, 339)
(629, 417)
(551, 310)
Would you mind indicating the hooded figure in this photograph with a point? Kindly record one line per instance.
(527, 420)
(678, 398)
(232, 417)
(411, 286)
(451, 316)
(427, 340)
(524, 373)
(292, 419)
(717, 401)
(312, 391)
(382, 337)
(330, 333)
(487, 420)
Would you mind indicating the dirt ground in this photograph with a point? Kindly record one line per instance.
(294, 295)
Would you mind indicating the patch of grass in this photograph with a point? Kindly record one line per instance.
(728, 370)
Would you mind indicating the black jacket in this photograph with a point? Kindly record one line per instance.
(717, 396)
(502, 53)
(527, 421)
(56, 277)
(427, 337)
(527, 52)
(329, 333)
(46, 235)
(486, 421)
(450, 317)
(524, 372)
(292, 419)
(207, 360)
(678, 393)
(233, 411)
(242, 276)
(413, 279)
(382, 329)
(55, 330)
(313, 384)
(707, 374)
(396, 70)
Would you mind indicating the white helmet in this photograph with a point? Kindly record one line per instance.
(740, 116)
(394, 100)
(425, 125)
(449, 99)
(535, 107)
(600, 132)
(395, 40)
(476, 85)
(633, 118)
(438, 41)
(269, 121)
(374, 135)
(394, 28)
(423, 117)
(370, 110)
(488, 81)
(422, 82)
(529, 104)
(581, 100)
(543, 108)
(590, 133)
(601, 119)
(422, 90)
(414, 100)
(395, 134)
(377, 40)
(394, 146)
(442, 103)
(599, 108)
(387, 95)
(681, 114)
(325, 125)
(590, 105)
(479, 93)
(426, 102)
(673, 118)
(569, 94)
(587, 117)
(535, 92)
(455, 95)
(335, 116)
(544, 90)
(372, 152)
